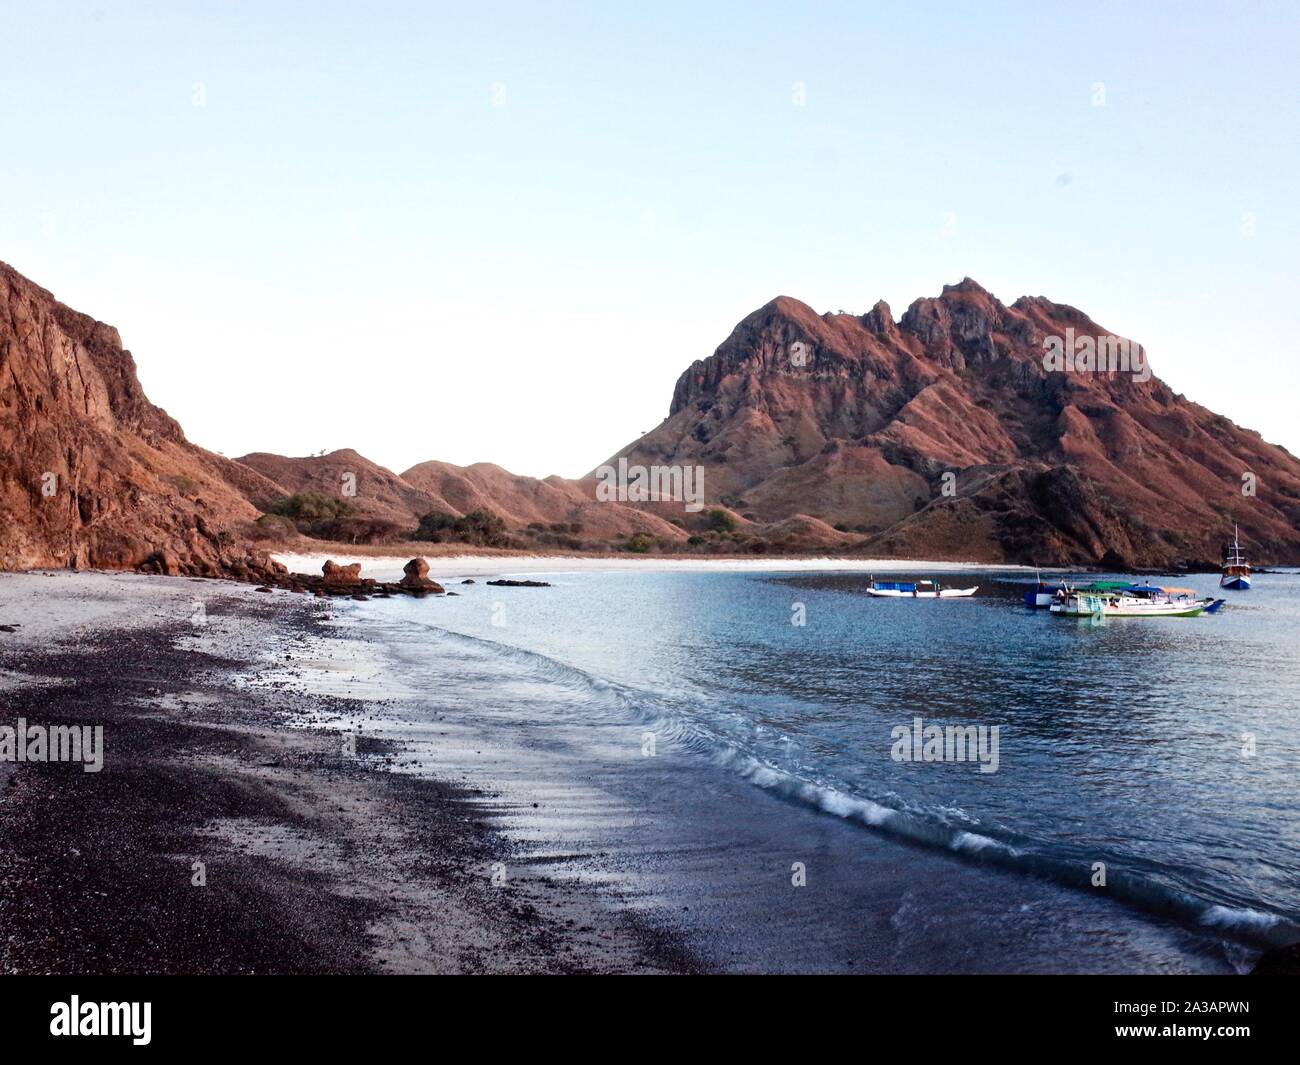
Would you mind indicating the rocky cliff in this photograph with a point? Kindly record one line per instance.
(93, 474)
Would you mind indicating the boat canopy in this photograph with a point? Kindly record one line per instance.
(894, 586)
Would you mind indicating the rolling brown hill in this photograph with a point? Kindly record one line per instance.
(93, 474)
(523, 500)
(856, 420)
(455, 490)
(520, 501)
(370, 488)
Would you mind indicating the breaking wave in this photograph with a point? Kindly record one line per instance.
(677, 721)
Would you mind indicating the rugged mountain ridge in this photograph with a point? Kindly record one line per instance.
(942, 434)
(939, 434)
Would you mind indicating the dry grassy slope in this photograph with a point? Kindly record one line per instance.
(521, 500)
(380, 493)
(455, 490)
(1048, 467)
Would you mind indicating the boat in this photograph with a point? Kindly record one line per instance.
(1043, 593)
(1176, 595)
(1133, 601)
(916, 590)
(1236, 571)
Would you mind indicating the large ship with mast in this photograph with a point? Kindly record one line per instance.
(1236, 571)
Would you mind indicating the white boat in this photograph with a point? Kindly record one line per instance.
(1236, 571)
(1151, 603)
(916, 590)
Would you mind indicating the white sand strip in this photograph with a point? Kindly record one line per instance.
(390, 568)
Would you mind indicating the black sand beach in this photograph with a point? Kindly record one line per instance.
(312, 860)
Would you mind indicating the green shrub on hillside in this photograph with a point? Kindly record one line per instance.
(273, 527)
(480, 527)
(307, 507)
(640, 543)
(720, 521)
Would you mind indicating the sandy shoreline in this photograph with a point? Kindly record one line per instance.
(312, 859)
(389, 567)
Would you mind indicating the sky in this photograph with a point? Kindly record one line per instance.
(500, 232)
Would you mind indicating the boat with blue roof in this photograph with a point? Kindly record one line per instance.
(916, 590)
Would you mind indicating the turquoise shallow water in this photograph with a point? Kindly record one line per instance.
(1160, 752)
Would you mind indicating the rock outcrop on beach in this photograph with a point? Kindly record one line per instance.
(93, 474)
(339, 580)
(942, 435)
(337, 575)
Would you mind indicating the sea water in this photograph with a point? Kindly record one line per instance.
(723, 749)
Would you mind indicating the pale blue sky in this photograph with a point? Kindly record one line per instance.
(507, 228)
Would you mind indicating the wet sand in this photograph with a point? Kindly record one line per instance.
(311, 859)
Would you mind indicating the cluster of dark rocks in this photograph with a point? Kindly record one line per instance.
(337, 580)
(334, 579)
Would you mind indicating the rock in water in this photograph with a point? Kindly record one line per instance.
(417, 578)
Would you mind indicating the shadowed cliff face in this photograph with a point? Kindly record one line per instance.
(93, 474)
(943, 433)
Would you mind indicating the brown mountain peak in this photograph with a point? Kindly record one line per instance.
(880, 319)
(1067, 466)
(967, 285)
